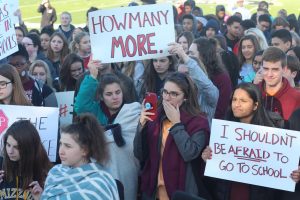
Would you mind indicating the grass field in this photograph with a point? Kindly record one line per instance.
(78, 8)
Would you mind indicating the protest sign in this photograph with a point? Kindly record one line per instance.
(8, 39)
(65, 101)
(45, 120)
(131, 33)
(253, 154)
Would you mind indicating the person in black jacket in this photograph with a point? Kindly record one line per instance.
(25, 164)
(38, 93)
(48, 14)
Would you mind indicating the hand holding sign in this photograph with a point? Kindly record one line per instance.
(206, 154)
(94, 66)
(295, 175)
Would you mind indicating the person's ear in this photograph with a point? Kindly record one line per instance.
(294, 74)
(255, 106)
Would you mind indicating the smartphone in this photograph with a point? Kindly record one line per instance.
(151, 104)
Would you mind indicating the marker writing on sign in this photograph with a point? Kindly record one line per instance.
(129, 21)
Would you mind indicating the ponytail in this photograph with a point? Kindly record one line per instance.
(89, 134)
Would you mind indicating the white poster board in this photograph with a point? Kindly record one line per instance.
(8, 39)
(131, 33)
(253, 154)
(45, 120)
(65, 102)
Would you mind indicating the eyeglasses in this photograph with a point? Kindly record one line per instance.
(18, 64)
(4, 84)
(171, 94)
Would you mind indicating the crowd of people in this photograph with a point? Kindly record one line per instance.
(232, 65)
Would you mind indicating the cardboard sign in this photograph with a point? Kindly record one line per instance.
(8, 39)
(131, 33)
(45, 120)
(253, 154)
(65, 101)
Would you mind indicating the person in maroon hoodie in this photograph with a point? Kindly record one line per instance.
(170, 145)
(278, 95)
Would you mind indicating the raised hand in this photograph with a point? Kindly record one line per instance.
(94, 66)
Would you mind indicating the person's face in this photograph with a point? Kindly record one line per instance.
(76, 31)
(248, 49)
(184, 43)
(272, 73)
(277, 42)
(6, 89)
(161, 65)
(85, 44)
(19, 35)
(263, 26)
(12, 149)
(56, 44)
(294, 42)
(240, 3)
(76, 70)
(187, 9)
(210, 32)
(70, 152)
(243, 106)
(199, 26)
(263, 6)
(172, 94)
(187, 25)
(234, 29)
(45, 41)
(196, 13)
(221, 14)
(65, 19)
(113, 97)
(39, 73)
(20, 63)
(257, 63)
(288, 74)
(28, 44)
(193, 51)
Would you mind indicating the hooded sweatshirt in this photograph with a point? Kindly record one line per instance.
(284, 102)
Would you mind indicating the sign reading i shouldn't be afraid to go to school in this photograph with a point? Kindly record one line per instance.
(131, 33)
(253, 154)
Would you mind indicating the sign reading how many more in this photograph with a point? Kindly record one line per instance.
(253, 154)
(8, 39)
(45, 120)
(131, 33)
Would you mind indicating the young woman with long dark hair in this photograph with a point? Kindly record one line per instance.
(246, 106)
(25, 163)
(168, 145)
